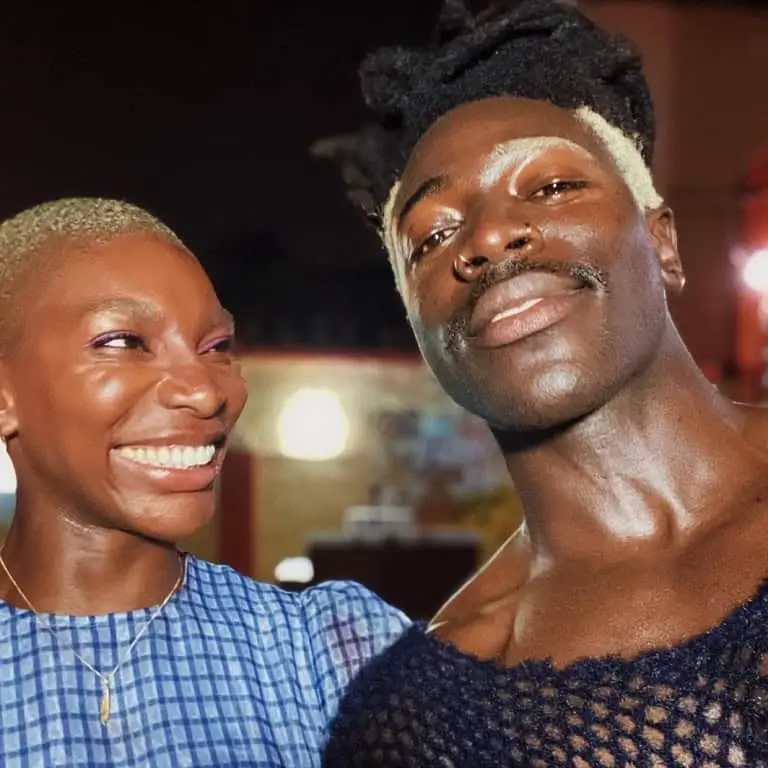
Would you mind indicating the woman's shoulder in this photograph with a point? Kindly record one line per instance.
(334, 606)
(330, 630)
(349, 619)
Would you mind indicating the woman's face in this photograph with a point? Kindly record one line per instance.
(122, 390)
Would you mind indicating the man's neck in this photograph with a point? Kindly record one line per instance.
(661, 461)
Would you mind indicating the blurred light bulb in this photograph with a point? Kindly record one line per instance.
(754, 271)
(294, 570)
(313, 425)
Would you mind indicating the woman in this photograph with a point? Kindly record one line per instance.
(118, 393)
(624, 625)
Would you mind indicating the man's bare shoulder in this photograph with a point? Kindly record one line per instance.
(498, 579)
(754, 424)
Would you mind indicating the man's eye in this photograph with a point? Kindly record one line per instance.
(433, 241)
(556, 189)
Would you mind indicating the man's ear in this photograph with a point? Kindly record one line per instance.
(661, 225)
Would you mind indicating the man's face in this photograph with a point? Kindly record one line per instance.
(122, 388)
(534, 283)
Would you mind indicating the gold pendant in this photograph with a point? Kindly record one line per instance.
(105, 701)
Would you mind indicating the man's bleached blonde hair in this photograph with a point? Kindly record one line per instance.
(622, 149)
(29, 238)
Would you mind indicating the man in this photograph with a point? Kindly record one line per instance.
(623, 624)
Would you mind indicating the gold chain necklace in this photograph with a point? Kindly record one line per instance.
(107, 678)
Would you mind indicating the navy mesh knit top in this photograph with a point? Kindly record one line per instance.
(701, 704)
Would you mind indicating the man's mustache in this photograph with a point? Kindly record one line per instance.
(584, 274)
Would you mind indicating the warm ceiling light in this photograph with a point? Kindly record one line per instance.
(313, 425)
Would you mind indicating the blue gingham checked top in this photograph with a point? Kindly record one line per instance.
(232, 673)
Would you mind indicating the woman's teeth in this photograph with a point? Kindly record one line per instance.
(171, 456)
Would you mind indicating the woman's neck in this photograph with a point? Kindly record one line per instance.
(66, 568)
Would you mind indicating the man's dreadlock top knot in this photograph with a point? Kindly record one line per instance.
(542, 49)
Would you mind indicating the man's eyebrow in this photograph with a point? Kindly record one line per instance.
(427, 188)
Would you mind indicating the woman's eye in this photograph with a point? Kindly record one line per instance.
(221, 346)
(435, 240)
(556, 189)
(129, 341)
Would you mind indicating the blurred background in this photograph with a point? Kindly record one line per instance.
(349, 461)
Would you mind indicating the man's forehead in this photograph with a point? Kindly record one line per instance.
(515, 152)
(497, 159)
(478, 124)
(525, 145)
(500, 142)
(591, 136)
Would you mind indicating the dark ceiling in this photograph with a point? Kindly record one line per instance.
(205, 117)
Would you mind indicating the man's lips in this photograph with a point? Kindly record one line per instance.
(517, 295)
